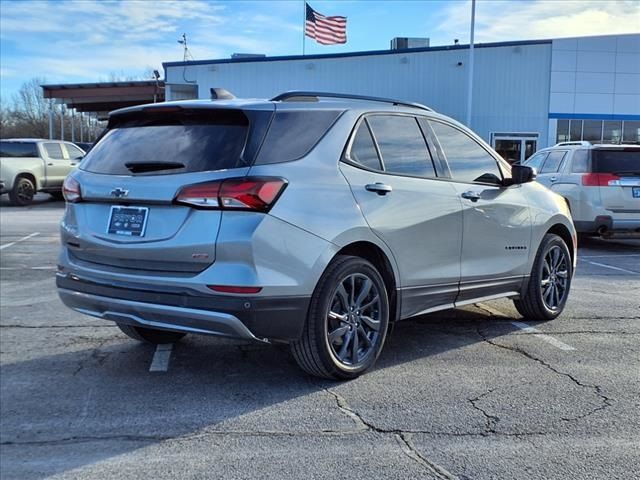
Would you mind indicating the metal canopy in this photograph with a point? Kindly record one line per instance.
(101, 98)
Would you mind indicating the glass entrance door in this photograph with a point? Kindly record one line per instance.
(515, 147)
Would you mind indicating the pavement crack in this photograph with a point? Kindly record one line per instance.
(490, 420)
(606, 401)
(402, 437)
(96, 354)
(344, 406)
(404, 440)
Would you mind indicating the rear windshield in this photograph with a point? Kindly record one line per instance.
(18, 149)
(165, 143)
(616, 161)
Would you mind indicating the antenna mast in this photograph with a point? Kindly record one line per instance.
(187, 54)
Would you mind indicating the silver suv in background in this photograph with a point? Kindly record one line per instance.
(600, 183)
(314, 219)
(29, 165)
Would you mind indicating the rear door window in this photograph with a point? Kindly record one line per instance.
(54, 150)
(156, 143)
(553, 162)
(402, 145)
(18, 149)
(620, 161)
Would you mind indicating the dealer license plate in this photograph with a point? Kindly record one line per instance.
(129, 221)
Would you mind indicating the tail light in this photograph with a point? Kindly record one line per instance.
(71, 190)
(599, 179)
(249, 193)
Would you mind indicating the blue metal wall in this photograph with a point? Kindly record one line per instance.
(511, 86)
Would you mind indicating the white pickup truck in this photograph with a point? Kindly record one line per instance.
(29, 165)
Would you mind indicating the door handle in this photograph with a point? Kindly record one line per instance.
(50, 164)
(473, 196)
(379, 188)
(553, 179)
(73, 164)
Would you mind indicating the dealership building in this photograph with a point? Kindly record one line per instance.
(526, 95)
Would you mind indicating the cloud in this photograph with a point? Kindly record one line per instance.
(518, 20)
(83, 41)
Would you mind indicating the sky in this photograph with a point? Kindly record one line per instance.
(74, 41)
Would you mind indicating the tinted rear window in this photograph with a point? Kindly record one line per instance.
(293, 134)
(18, 149)
(616, 161)
(185, 141)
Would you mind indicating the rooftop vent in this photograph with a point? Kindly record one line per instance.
(402, 43)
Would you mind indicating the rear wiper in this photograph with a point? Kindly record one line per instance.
(141, 167)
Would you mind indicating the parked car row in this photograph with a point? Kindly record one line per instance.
(31, 165)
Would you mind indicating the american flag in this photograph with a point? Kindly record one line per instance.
(325, 30)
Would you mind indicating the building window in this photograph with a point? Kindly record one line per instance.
(598, 131)
(563, 131)
(575, 130)
(631, 132)
(592, 131)
(612, 131)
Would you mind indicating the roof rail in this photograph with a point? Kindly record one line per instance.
(314, 96)
(582, 143)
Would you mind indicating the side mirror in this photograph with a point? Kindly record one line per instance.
(522, 174)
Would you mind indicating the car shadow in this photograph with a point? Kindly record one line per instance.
(40, 200)
(65, 411)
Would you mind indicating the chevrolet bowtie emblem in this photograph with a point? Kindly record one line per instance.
(119, 192)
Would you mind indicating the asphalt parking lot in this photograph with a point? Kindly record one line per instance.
(474, 393)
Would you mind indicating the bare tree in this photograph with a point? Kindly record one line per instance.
(28, 116)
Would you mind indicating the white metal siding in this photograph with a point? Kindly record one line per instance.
(511, 88)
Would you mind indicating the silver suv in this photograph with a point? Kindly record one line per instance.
(600, 183)
(313, 219)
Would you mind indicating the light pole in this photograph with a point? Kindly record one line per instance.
(470, 81)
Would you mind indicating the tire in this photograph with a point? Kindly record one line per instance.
(150, 335)
(22, 192)
(552, 270)
(347, 321)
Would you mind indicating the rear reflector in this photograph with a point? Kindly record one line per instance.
(249, 193)
(232, 289)
(71, 190)
(599, 179)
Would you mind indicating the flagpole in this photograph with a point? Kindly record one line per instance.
(470, 81)
(304, 23)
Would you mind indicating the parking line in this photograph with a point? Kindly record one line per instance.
(547, 338)
(612, 267)
(611, 255)
(527, 328)
(7, 245)
(160, 362)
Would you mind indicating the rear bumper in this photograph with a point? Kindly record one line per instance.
(249, 318)
(608, 225)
